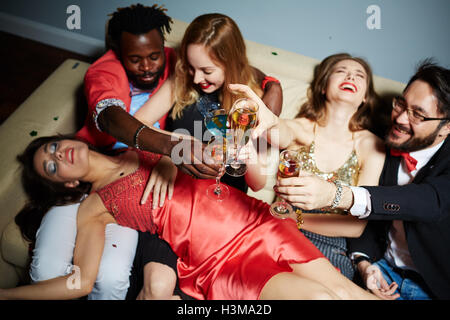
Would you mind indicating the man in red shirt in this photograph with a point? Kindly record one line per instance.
(119, 83)
(136, 66)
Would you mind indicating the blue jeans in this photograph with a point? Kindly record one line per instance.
(407, 288)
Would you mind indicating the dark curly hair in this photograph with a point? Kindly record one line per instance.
(42, 193)
(137, 19)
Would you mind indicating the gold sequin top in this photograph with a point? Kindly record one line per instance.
(348, 173)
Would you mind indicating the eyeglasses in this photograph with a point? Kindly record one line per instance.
(399, 105)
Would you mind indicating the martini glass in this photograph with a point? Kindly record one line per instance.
(216, 122)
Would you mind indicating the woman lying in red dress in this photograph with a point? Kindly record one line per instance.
(235, 250)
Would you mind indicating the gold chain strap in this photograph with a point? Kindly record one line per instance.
(299, 214)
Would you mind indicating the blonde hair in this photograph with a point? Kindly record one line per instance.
(224, 42)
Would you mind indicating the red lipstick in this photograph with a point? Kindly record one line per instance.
(69, 155)
(348, 86)
(205, 86)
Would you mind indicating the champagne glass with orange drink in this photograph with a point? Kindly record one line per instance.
(289, 166)
(242, 118)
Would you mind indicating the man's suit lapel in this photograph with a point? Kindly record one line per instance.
(390, 174)
(436, 160)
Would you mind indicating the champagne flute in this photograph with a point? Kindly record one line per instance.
(242, 118)
(289, 166)
(216, 152)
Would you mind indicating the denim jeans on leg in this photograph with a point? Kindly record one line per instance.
(408, 288)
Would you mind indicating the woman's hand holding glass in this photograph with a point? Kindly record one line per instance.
(265, 118)
(307, 191)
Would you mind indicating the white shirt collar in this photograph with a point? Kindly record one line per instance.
(422, 157)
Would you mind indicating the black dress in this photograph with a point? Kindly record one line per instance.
(151, 248)
(192, 121)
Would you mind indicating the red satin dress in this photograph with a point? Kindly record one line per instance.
(227, 250)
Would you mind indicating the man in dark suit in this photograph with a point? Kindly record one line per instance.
(409, 214)
(404, 251)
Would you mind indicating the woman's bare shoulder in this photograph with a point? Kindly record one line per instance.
(92, 208)
(368, 144)
(368, 139)
(306, 124)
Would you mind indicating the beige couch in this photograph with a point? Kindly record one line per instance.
(55, 107)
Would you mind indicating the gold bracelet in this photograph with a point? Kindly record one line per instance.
(299, 214)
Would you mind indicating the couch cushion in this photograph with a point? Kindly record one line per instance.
(14, 257)
(50, 109)
(14, 248)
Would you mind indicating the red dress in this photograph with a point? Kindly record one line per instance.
(226, 250)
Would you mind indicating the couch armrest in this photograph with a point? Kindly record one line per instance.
(50, 109)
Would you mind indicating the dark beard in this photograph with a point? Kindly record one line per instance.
(414, 144)
(144, 86)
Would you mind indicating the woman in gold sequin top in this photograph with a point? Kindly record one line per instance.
(331, 134)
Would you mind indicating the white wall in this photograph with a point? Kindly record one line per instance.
(411, 30)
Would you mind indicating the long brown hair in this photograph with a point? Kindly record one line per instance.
(314, 108)
(225, 44)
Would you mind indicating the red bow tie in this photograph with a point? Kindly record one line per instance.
(410, 161)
